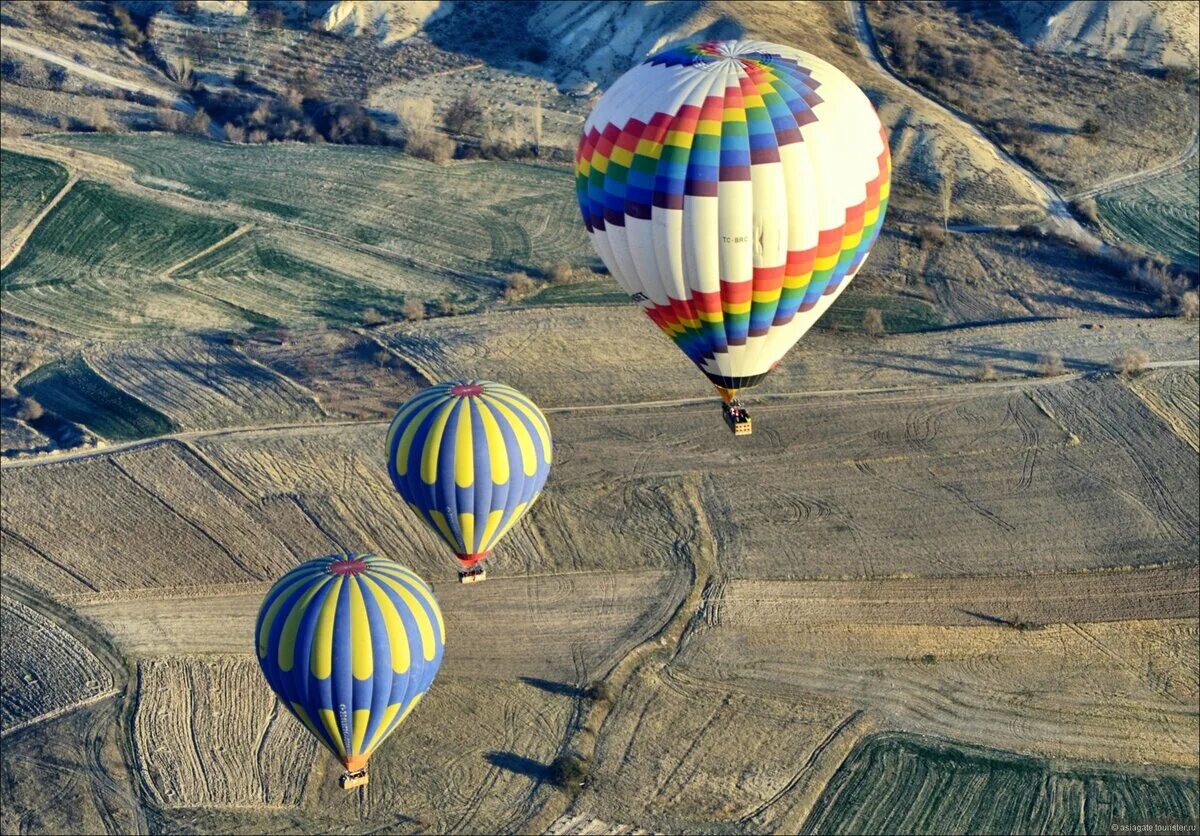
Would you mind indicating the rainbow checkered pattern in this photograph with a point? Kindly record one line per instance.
(734, 188)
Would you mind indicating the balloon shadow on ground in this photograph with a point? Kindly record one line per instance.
(551, 687)
(520, 765)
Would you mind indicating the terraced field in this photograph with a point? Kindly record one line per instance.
(281, 277)
(206, 733)
(99, 234)
(71, 389)
(1162, 215)
(977, 790)
(203, 384)
(28, 184)
(94, 266)
(678, 750)
(472, 218)
(46, 669)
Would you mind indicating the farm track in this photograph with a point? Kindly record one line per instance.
(914, 391)
(96, 75)
(101, 782)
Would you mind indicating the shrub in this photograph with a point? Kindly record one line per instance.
(234, 134)
(928, 659)
(561, 273)
(932, 235)
(536, 53)
(1085, 207)
(517, 285)
(1051, 365)
(382, 358)
(985, 372)
(199, 122)
(1129, 363)
(372, 317)
(570, 772)
(57, 77)
(30, 410)
(126, 28)
(600, 691)
(431, 146)
(414, 309)
(1090, 127)
(445, 307)
(873, 322)
(268, 15)
(464, 114)
(1189, 305)
(904, 46)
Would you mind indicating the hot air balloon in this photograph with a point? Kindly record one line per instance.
(733, 188)
(350, 643)
(470, 457)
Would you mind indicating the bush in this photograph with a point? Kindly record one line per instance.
(199, 123)
(1189, 305)
(464, 114)
(1085, 207)
(904, 46)
(570, 772)
(57, 76)
(1090, 127)
(932, 235)
(126, 28)
(414, 309)
(1129, 363)
(432, 146)
(517, 285)
(986, 372)
(268, 15)
(600, 691)
(372, 317)
(561, 273)
(445, 307)
(536, 53)
(1051, 365)
(30, 410)
(873, 322)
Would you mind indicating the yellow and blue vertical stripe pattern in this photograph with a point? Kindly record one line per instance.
(350, 643)
(470, 457)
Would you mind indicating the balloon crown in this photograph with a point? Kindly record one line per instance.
(348, 565)
(466, 390)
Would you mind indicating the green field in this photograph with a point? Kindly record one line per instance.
(71, 390)
(894, 783)
(1162, 215)
(285, 277)
(901, 314)
(100, 234)
(482, 217)
(26, 185)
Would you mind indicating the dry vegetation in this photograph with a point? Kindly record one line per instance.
(46, 669)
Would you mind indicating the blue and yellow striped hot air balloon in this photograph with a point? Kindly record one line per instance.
(470, 457)
(350, 643)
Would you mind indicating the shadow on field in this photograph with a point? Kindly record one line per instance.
(519, 764)
(552, 687)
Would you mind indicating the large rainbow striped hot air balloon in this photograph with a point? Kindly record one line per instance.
(734, 188)
(350, 643)
(470, 457)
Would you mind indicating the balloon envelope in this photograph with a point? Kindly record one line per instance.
(350, 643)
(734, 188)
(470, 457)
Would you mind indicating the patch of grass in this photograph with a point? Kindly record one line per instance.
(894, 783)
(26, 185)
(599, 292)
(71, 390)
(899, 314)
(98, 232)
(1160, 215)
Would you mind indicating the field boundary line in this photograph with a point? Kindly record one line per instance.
(762, 400)
(24, 235)
(59, 712)
(237, 233)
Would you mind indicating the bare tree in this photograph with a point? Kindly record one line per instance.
(1129, 363)
(873, 322)
(1051, 365)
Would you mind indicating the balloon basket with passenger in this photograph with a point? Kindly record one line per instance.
(352, 778)
(472, 574)
(736, 415)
